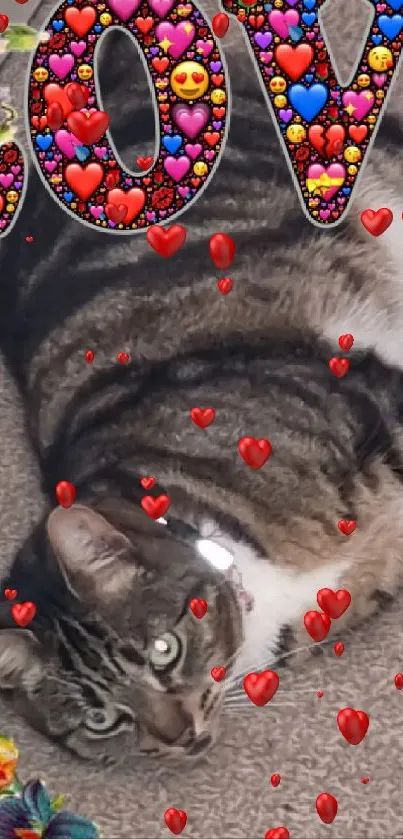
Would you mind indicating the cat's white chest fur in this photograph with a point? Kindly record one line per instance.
(281, 598)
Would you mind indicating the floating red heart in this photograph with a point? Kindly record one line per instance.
(254, 452)
(326, 807)
(148, 482)
(399, 681)
(222, 250)
(353, 725)
(220, 25)
(376, 221)
(317, 625)
(347, 526)
(339, 648)
(275, 780)
(198, 607)
(28, 239)
(155, 507)
(277, 833)
(334, 603)
(203, 417)
(10, 593)
(346, 342)
(88, 128)
(65, 494)
(166, 242)
(175, 820)
(218, 673)
(225, 285)
(4, 21)
(23, 613)
(261, 687)
(339, 366)
(123, 357)
(89, 356)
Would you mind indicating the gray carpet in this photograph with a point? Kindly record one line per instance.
(229, 794)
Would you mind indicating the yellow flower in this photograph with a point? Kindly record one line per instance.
(8, 762)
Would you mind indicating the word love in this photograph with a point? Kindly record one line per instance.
(326, 130)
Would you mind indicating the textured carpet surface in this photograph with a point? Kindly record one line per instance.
(229, 794)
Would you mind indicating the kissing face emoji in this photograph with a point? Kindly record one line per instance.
(189, 80)
(296, 133)
(380, 59)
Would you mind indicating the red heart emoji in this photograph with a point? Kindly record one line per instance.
(203, 417)
(220, 25)
(84, 180)
(155, 507)
(317, 625)
(358, 133)
(145, 163)
(134, 199)
(55, 116)
(80, 20)
(144, 24)
(88, 129)
(261, 687)
(166, 241)
(56, 93)
(218, 673)
(111, 180)
(277, 833)
(222, 250)
(225, 285)
(148, 482)
(346, 342)
(333, 603)
(254, 452)
(10, 593)
(65, 494)
(339, 366)
(294, 60)
(326, 807)
(347, 526)
(353, 725)
(23, 613)
(160, 64)
(175, 820)
(89, 356)
(212, 138)
(339, 648)
(198, 607)
(123, 357)
(78, 94)
(115, 213)
(376, 221)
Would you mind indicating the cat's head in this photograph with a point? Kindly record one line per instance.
(127, 671)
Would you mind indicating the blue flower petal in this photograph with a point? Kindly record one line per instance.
(13, 815)
(37, 802)
(66, 825)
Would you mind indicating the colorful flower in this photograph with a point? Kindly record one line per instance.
(33, 815)
(8, 762)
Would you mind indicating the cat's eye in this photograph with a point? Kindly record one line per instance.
(165, 652)
(98, 719)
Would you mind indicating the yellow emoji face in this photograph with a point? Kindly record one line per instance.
(352, 154)
(12, 196)
(189, 80)
(278, 84)
(380, 59)
(363, 80)
(84, 72)
(105, 19)
(280, 101)
(41, 74)
(218, 97)
(296, 133)
(200, 169)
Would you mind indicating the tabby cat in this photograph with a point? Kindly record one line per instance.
(115, 662)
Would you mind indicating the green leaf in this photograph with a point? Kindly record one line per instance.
(58, 802)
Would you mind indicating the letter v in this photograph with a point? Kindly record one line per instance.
(326, 130)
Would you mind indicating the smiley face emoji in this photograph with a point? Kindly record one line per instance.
(12, 196)
(84, 72)
(41, 74)
(296, 133)
(278, 84)
(189, 80)
(105, 19)
(363, 80)
(380, 59)
(218, 97)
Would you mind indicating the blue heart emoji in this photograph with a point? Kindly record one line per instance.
(310, 4)
(295, 33)
(268, 7)
(68, 197)
(395, 4)
(58, 25)
(376, 39)
(44, 141)
(308, 101)
(390, 26)
(346, 190)
(82, 153)
(309, 18)
(172, 144)
(309, 78)
(97, 28)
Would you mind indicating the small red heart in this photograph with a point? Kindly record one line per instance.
(29, 239)
(88, 128)
(198, 607)
(55, 116)
(222, 250)
(353, 725)
(277, 833)
(326, 807)
(145, 162)
(339, 366)
(333, 603)
(275, 780)
(164, 241)
(376, 221)
(89, 356)
(225, 285)
(347, 526)
(317, 625)
(339, 648)
(78, 95)
(319, 694)
(399, 681)
(218, 673)
(23, 613)
(203, 417)
(365, 780)
(175, 820)
(148, 482)
(65, 494)
(4, 21)
(346, 342)
(220, 25)
(111, 180)
(254, 452)
(261, 687)
(155, 507)
(115, 212)
(10, 593)
(123, 357)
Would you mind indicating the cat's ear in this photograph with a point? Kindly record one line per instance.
(20, 661)
(96, 560)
